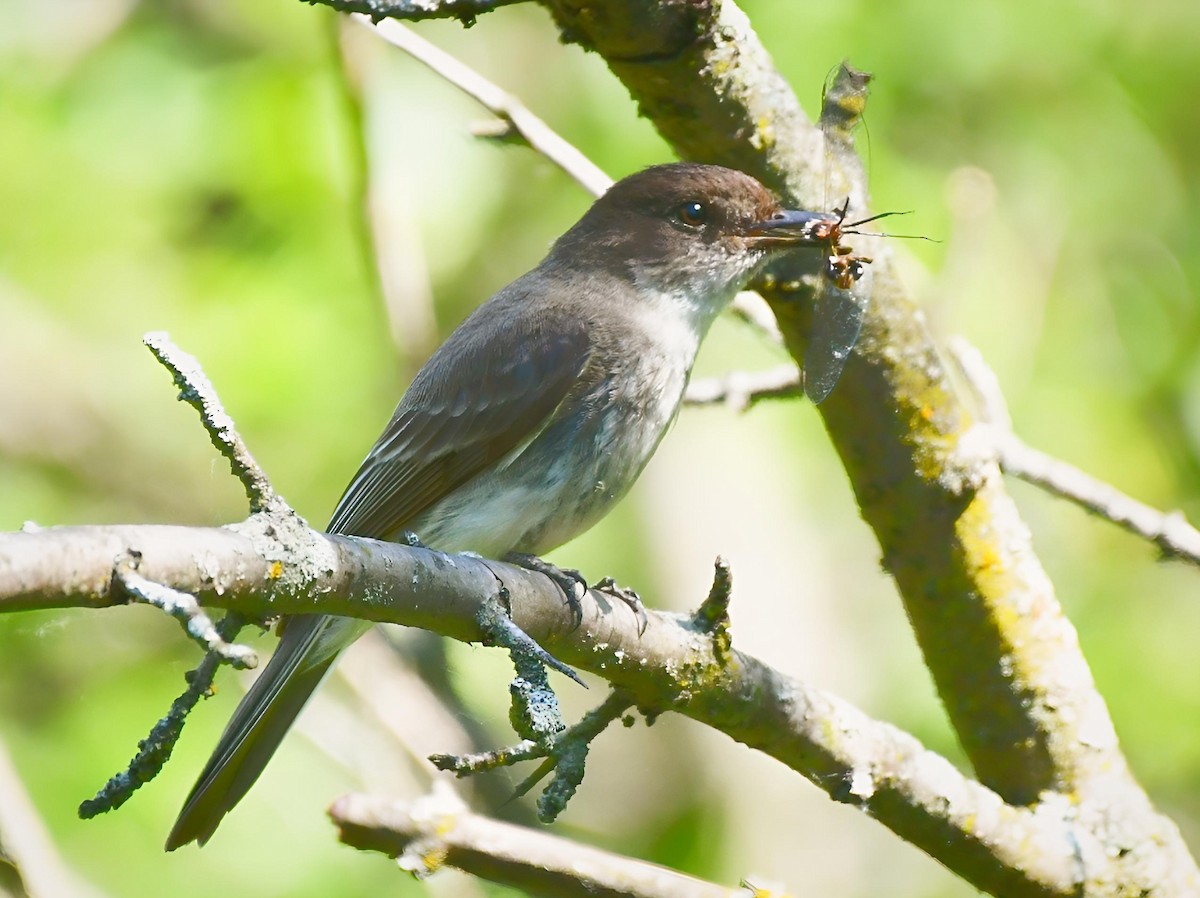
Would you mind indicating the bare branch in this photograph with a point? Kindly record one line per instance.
(531, 129)
(1170, 531)
(181, 606)
(565, 753)
(739, 390)
(670, 666)
(517, 121)
(155, 750)
(439, 831)
(196, 391)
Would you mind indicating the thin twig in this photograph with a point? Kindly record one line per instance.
(713, 614)
(565, 753)
(217, 640)
(1170, 531)
(531, 129)
(739, 390)
(517, 121)
(155, 750)
(185, 609)
(196, 390)
(751, 308)
(568, 756)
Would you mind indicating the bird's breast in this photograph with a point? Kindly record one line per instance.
(587, 456)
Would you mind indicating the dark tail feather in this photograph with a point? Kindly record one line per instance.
(256, 729)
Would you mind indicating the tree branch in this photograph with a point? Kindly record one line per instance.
(181, 606)
(273, 563)
(439, 831)
(1006, 661)
(527, 126)
(196, 391)
(739, 390)
(701, 74)
(1170, 531)
(670, 667)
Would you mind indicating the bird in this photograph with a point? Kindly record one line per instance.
(532, 419)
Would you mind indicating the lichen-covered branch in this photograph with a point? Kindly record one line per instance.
(155, 750)
(674, 665)
(185, 609)
(1006, 660)
(196, 391)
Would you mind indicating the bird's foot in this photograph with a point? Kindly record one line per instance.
(610, 587)
(570, 581)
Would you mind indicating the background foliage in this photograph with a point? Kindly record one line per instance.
(199, 166)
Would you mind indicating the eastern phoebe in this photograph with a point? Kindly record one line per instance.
(533, 418)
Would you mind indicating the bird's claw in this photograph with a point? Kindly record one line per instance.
(569, 580)
(610, 587)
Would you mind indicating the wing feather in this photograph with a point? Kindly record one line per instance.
(491, 387)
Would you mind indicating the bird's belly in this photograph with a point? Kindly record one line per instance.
(561, 483)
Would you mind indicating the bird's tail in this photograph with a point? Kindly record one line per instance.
(306, 653)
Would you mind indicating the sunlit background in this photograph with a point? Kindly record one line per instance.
(202, 167)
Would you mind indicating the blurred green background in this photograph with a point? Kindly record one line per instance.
(201, 166)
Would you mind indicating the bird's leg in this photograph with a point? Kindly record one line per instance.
(495, 620)
(570, 581)
(610, 587)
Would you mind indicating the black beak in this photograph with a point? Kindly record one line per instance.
(790, 227)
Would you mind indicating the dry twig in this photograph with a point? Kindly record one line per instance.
(531, 129)
(439, 831)
(1170, 531)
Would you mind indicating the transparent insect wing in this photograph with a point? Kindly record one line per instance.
(844, 284)
(837, 321)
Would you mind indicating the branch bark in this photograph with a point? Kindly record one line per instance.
(259, 568)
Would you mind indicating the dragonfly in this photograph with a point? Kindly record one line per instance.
(840, 302)
(843, 291)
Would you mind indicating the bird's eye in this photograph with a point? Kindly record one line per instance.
(693, 213)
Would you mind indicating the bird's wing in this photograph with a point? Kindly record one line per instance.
(491, 387)
(481, 396)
